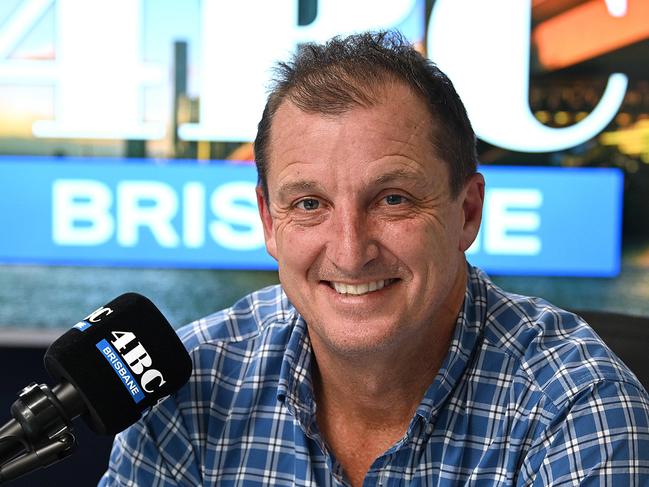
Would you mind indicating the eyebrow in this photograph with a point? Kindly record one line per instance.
(307, 186)
(399, 174)
(300, 186)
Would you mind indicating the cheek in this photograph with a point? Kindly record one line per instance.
(428, 249)
(415, 239)
(298, 247)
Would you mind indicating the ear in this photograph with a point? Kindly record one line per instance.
(473, 199)
(267, 223)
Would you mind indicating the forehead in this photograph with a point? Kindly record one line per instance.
(379, 100)
(398, 125)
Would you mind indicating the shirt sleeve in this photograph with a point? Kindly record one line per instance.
(154, 452)
(601, 438)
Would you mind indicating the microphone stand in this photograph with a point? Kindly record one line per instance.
(11, 443)
(42, 433)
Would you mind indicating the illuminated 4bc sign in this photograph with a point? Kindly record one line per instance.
(98, 76)
(484, 47)
(98, 73)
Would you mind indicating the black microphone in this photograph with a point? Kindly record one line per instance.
(114, 365)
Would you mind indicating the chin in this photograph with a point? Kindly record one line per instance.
(355, 338)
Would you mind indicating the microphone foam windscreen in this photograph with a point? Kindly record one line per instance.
(122, 359)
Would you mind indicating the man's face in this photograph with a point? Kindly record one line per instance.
(368, 239)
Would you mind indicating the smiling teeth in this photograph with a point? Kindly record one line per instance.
(358, 289)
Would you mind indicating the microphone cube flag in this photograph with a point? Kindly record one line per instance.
(122, 359)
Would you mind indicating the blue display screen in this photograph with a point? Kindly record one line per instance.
(551, 221)
(168, 213)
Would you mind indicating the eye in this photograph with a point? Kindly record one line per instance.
(308, 204)
(395, 199)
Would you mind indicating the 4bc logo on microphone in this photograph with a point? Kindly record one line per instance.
(127, 357)
(131, 364)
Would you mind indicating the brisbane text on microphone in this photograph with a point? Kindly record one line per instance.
(138, 360)
(114, 360)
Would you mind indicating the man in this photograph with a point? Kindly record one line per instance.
(384, 358)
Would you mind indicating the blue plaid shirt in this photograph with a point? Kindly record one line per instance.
(527, 395)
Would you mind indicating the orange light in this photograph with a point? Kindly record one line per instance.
(589, 30)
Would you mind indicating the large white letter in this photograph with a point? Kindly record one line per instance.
(147, 204)
(484, 47)
(226, 203)
(230, 105)
(193, 215)
(504, 211)
(81, 212)
(98, 72)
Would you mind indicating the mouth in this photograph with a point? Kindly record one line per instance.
(360, 289)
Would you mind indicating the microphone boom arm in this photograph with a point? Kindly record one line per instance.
(41, 432)
(47, 454)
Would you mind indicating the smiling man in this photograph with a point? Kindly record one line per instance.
(384, 358)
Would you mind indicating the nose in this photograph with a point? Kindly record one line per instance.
(352, 242)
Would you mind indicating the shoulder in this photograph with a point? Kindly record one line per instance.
(236, 349)
(237, 356)
(553, 350)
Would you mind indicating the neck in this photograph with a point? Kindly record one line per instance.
(385, 386)
(366, 400)
(383, 391)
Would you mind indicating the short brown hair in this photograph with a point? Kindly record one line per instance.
(345, 72)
